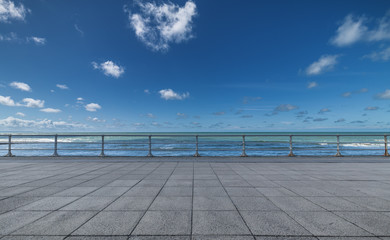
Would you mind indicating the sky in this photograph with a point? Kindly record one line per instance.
(194, 65)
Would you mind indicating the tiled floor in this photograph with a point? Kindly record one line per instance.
(149, 199)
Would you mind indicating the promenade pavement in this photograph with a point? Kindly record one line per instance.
(195, 198)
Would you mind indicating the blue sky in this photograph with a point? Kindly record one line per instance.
(194, 65)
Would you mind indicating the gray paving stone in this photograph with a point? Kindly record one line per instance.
(142, 192)
(210, 192)
(327, 224)
(176, 192)
(110, 223)
(254, 203)
(224, 237)
(89, 204)
(207, 183)
(15, 202)
(349, 238)
(218, 222)
(160, 238)
(295, 204)
(287, 238)
(42, 192)
(14, 220)
(276, 192)
(172, 203)
(12, 191)
(151, 183)
(272, 223)
(243, 192)
(49, 203)
(122, 183)
(75, 192)
(373, 203)
(179, 183)
(130, 203)
(33, 238)
(213, 203)
(373, 222)
(336, 204)
(49, 225)
(164, 223)
(109, 191)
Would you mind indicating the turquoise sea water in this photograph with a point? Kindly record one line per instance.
(183, 144)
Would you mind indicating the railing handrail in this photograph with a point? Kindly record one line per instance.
(149, 137)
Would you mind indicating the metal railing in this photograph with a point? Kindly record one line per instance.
(187, 143)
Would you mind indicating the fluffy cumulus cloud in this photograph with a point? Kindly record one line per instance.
(62, 86)
(33, 103)
(159, 25)
(325, 63)
(356, 28)
(17, 123)
(169, 94)
(384, 95)
(11, 11)
(26, 102)
(50, 110)
(92, 107)
(21, 86)
(20, 114)
(109, 68)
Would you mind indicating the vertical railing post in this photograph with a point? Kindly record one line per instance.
(386, 152)
(9, 154)
(55, 154)
(102, 152)
(243, 154)
(150, 147)
(291, 154)
(197, 147)
(338, 154)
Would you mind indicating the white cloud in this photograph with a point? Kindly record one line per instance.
(92, 107)
(325, 63)
(7, 101)
(109, 68)
(16, 123)
(371, 108)
(33, 103)
(62, 86)
(95, 119)
(21, 86)
(10, 11)
(147, 91)
(324, 110)
(312, 85)
(80, 99)
(219, 113)
(351, 30)
(181, 115)
(354, 29)
(79, 30)
(383, 55)
(10, 37)
(50, 110)
(169, 94)
(384, 95)
(150, 115)
(159, 25)
(20, 114)
(37, 40)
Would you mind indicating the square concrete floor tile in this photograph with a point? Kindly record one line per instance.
(33, 238)
(171, 203)
(151, 183)
(56, 223)
(295, 204)
(12, 191)
(243, 192)
(122, 183)
(15, 202)
(164, 223)
(218, 222)
(160, 238)
(110, 223)
(287, 238)
(336, 204)
(213, 203)
(254, 203)
(130, 203)
(349, 238)
(96, 238)
(142, 192)
(89, 203)
(241, 237)
(276, 192)
(210, 192)
(14, 220)
(373, 203)
(272, 223)
(176, 192)
(43, 192)
(75, 192)
(179, 183)
(109, 191)
(49, 203)
(373, 222)
(207, 183)
(327, 224)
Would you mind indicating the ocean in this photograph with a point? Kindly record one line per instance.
(184, 144)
